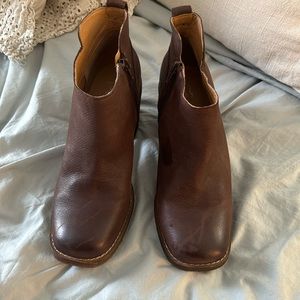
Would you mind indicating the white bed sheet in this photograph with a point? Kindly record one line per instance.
(262, 125)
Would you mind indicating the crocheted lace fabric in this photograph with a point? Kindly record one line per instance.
(26, 23)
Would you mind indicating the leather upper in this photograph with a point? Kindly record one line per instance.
(94, 197)
(193, 207)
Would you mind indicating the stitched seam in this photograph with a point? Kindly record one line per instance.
(103, 254)
(191, 264)
(197, 265)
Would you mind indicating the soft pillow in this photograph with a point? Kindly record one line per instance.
(266, 33)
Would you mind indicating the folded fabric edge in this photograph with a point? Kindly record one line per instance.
(213, 47)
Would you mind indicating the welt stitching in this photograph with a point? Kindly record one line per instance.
(97, 257)
(191, 264)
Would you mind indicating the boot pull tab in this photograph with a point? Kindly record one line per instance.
(180, 10)
(117, 3)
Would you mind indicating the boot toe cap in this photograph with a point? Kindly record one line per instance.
(197, 258)
(194, 239)
(76, 247)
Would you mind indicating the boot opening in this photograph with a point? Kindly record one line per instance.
(95, 68)
(197, 89)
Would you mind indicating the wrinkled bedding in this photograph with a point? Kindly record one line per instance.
(262, 124)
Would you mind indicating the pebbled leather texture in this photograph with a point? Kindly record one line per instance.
(193, 206)
(180, 10)
(93, 199)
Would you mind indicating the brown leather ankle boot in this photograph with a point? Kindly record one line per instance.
(193, 207)
(94, 197)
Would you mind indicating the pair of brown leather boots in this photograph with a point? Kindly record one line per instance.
(94, 197)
